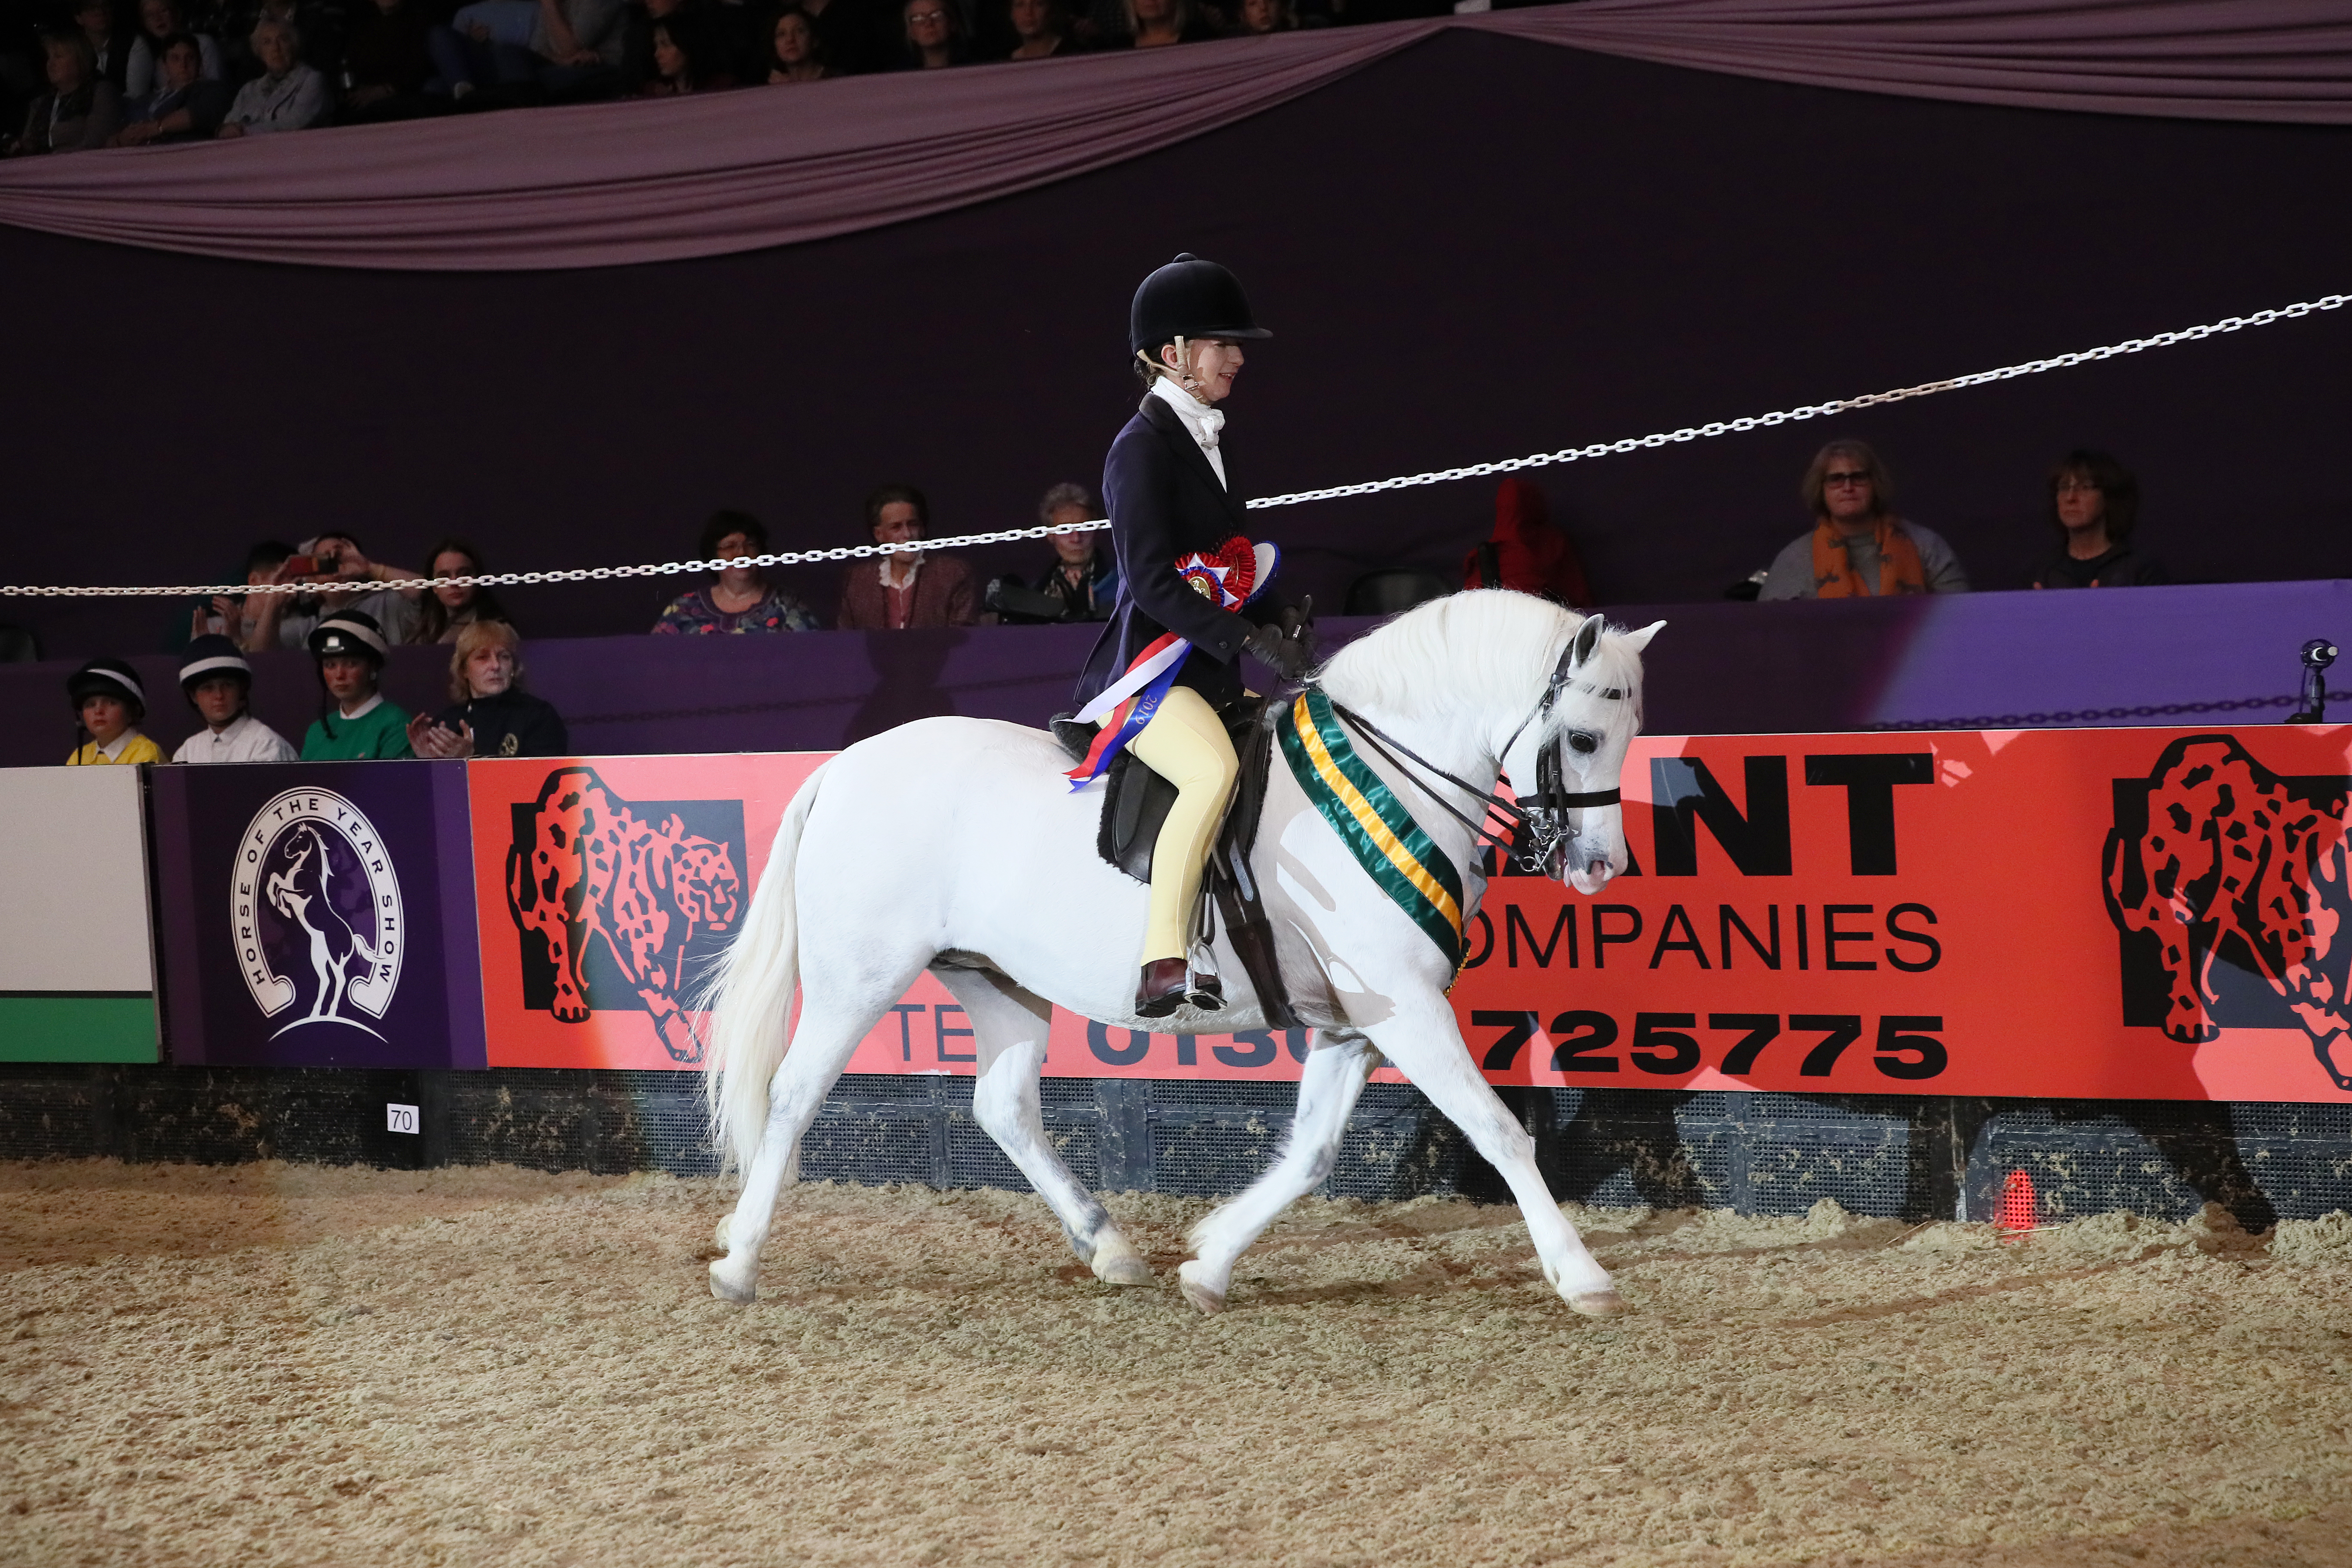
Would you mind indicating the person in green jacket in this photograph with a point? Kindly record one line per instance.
(358, 724)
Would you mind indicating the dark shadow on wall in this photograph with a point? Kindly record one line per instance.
(907, 684)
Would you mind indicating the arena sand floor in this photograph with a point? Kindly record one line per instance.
(275, 1365)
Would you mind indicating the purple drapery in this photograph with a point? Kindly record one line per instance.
(607, 184)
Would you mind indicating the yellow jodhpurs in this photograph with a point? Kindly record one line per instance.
(1186, 744)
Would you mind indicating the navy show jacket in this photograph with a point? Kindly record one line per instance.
(1164, 501)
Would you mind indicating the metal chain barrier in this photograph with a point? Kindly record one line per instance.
(2085, 715)
(578, 574)
(1815, 410)
(1334, 492)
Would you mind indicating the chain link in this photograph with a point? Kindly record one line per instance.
(1334, 492)
(2085, 715)
(577, 574)
(1810, 411)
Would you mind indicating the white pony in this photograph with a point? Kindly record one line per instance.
(956, 844)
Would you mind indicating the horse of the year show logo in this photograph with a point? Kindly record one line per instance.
(315, 909)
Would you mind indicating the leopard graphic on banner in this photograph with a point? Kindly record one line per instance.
(611, 896)
(2231, 886)
(313, 889)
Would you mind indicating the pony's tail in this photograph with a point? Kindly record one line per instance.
(751, 997)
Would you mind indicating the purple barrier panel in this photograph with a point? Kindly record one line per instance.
(318, 915)
(1719, 669)
(810, 691)
(2216, 653)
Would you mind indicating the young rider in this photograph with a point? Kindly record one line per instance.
(356, 724)
(218, 684)
(110, 702)
(1166, 487)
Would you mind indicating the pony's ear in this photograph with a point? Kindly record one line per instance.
(1588, 638)
(1639, 640)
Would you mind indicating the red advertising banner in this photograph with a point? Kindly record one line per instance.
(605, 886)
(2057, 913)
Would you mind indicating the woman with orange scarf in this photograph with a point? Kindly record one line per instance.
(1858, 547)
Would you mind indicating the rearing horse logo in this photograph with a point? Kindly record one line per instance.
(315, 912)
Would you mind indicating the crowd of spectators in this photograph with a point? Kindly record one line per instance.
(348, 612)
(83, 74)
(1860, 547)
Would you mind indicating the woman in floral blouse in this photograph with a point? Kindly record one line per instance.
(738, 599)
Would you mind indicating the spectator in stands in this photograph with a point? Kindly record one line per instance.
(355, 723)
(442, 613)
(906, 589)
(81, 111)
(934, 36)
(160, 22)
(110, 702)
(794, 54)
(1858, 546)
(1526, 552)
(336, 563)
(235, 617)
(686, 59)
(109, 51)
(845, 34)
(185, 105)
(566, 46)
(2094, 503)
(1082, 580)
(741, 598)
(1041, 30)
(493, 716)
(387, 61)
(286, 96)
(1150, 24)
(218, 684)
(1263, 17)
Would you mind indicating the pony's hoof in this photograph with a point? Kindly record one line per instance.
(1196, 1289)
(1597, 1303)
(1122, 1269)
(727, 1287)
(719, 1232)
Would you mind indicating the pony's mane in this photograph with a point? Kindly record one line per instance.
(1484, 645)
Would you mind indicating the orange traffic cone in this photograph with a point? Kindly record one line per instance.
(2021, 1210)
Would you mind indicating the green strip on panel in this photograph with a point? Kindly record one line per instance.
(77, 1028)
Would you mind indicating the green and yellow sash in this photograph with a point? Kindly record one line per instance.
(1373, 822)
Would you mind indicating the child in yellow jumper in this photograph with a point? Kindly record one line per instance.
(110, 702)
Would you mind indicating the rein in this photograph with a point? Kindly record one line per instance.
(1551, 798)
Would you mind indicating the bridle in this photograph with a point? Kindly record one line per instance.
(1540, 827)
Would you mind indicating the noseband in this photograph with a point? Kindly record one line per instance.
(1543, 824)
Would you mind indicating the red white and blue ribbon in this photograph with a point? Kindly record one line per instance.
(1230, 577)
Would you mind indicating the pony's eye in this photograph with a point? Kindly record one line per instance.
(1581, 742)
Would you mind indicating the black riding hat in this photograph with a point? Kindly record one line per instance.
(351, 632)
(209, 655)
(1190, 298)
(106, 678)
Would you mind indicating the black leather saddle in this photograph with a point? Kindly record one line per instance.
(1136, 802)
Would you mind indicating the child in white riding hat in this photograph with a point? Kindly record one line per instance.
(110, 702)
(356, 724)
(218, 684)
